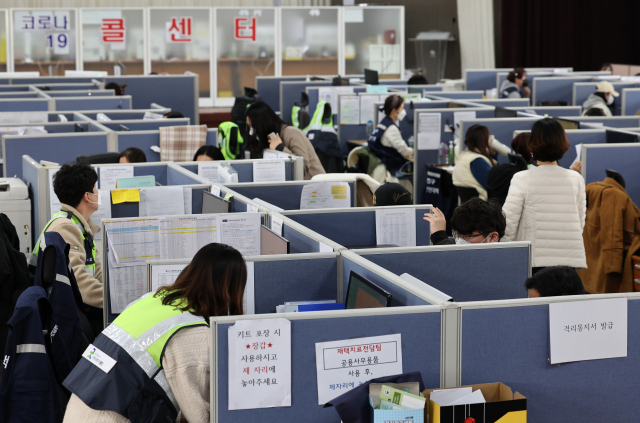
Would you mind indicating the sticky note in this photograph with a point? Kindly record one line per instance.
(125, 196)
(338, 189)
(228, 196)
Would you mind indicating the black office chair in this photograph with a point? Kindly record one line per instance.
(465, 194)
(518, 161)
(616, 177)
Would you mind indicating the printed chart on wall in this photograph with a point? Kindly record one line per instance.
(325, 195)
(344, 365)
(396, 226)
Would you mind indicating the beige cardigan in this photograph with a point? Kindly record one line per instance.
(186, 366)
(296, 143)
(90, 285)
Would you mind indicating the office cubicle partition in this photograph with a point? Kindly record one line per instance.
(497, 102)
(551, 111)
(609, 121)
(577, 138)
(294, 168)
(290, 93)
(144, 140)
(268, 88)
(87, 103)
(143, 125)
(630, 101)
(582, 91)
(81, 93)
(502, 129)
(552, 89)
(622, 158)
(116, 115)
(458, 95)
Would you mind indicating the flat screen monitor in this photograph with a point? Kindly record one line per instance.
(99, 158)
(212, 204)
(370, 77)
(456, 106)
(617, 137)
(272, 243)
(568, 124)
(362, 293)
(501, 112)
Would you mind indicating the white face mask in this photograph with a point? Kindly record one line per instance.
(251, 131)
(99, 202)
(611, 99)
(462, 241)
(402, 114)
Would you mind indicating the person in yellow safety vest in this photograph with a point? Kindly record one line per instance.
(153, 360)
(75, 187)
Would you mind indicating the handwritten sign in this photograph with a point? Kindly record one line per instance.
(260, 364)
(588, 330)
(344, 365)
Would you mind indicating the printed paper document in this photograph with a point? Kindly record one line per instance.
(325, 195)
(208, 171)
(182, 237)
(396, 226)
(110, 174)
(162, 201)
(242, 232)
(269, 171)
(164, 275)
(429, 131)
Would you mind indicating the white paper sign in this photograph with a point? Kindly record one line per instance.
(325, 195)
(429, 131)
(324, 248)
(209, 171)
(242, 232)
(103, 212)
(165, 275)
(350, 110)
(54, 203)
(344, 365)
(269, 171)
(330, 95)
(276, 225)
(110, 174)
(215, 191)
(396, 226)
(588, 330)
(259, 364)
(367, 107)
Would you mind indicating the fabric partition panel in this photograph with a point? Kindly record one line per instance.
(158, 171)
(13, 88)
(611, 122)
(115, 115)
(58, 148)
(630, 99)
(66, 128)
(145, 125)
(269, 89)
(406, 124)
(399, 297)
(212, 137)
(162, 90)
(314, 98)
(95, 93)
(501, 129)
(237, 204)
(299, 243)
(142, 140)
(350, 133)
(466, 274)
(26, 105)
(514, 342)
(622, 158)
(105, 103)
(244, 169)
(502, 102)
(30, 177)
(287, 197)
(481, 79)
(290, 93)
(581, 91)
(581, 136)
(176, 177)
(40, 81)
(420, 333)
(552, 111)
(278, 281)
(555, 89)
(18, 96)
(461, 95)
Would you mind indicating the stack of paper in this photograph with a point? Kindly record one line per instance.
(457, 396)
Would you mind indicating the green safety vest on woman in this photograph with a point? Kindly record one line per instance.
(122, 370)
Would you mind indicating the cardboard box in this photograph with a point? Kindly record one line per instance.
(502, 406)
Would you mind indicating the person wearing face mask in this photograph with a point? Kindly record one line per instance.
(75, 187)
(515, 82)
(474, 222)
(602, 99)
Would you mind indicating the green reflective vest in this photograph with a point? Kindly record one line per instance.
(230, 141)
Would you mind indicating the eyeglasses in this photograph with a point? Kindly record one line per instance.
(467, 238)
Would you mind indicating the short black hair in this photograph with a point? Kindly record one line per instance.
(479, 215)
(119, 89)
(72, 181)
(133, 155)
(173, 115)
(556, 281)
(209, 150)
(595, 111)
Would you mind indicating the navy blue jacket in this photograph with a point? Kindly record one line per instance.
(388, 155)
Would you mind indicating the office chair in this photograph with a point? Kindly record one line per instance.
(465, 194)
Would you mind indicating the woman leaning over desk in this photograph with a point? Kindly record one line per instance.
(159, 347)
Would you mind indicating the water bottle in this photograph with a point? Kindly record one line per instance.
(452, 154)
(442, 153)
(369, 128)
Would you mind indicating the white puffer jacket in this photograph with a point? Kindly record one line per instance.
(547, 206)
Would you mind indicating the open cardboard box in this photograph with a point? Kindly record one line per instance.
(502, 406)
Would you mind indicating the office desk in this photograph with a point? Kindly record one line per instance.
(176, 67)
(235, 73)
(311, 66)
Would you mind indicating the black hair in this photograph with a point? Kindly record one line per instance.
(392, 103)
(72, 181)
(133, 155)
(477, 215)
(209, 150)
(606, 65)
(119, 89)
(556, 281)
(263, 121)
(595, 111)
(392, 194)
(417, 80)
(516, 73)
(173, 115)
(548, 141)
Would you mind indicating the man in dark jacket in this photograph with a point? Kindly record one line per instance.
(475, 222)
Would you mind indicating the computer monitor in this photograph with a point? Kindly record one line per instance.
(272, 243)
(617, 137)
(501, 112)
(456, 106)
(212, 204)
(99, 158)
(415, 90)
(568, 124)
(362, 293)
(370, 77)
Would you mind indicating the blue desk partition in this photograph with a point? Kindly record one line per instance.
(555, 89)
(18, 95)
(92, 93)
(630, 101)
(501, 102)
(514, 346)
(144, 140)
(419, 327)
(582, 91)
(104, 103)
(290, 93)
(355, 227)
(162, 89)
(30, 176)
(14, 88)
(52, 81)
(482, 79)
(269, 88)
(502, 129)
(145, 125)
(610, 122)
(553, 111)
(584, 137)
(622, 158)
(460, 95)
(243, 167)
(58, 148)
(285, 195)
(24, 105)
(466, 273)
(406, 125)
(47, 88)
(121, 114)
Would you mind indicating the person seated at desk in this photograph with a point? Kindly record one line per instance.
(555, 281)
(75, 186)
(262, 121)
(132, 155)
(172, 115)
(178, 351)
(594, 112)
(602, 99)
(208, 153)
(474, 163)
(474, 222)
(392, 194)
(516, 80)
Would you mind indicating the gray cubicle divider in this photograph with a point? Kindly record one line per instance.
(162, 89)
(584, 137)
(245, 168)
(582, 90)
(25, 105)
(239, 203)
(34, 178)
(285, 195)
(477, 272)
(144, 125)
(500, 102)
(290, 93)
(88, 103)
(513, 337)
(552, 111)
(502, 129)
(555, 88)
(458, 95)
(114, 115)
(622, 158)
(14, 88)
(59, 127)
(70, 86)
(268, 88)
(58, 148)
(608, 121)
(630, 101)
(144, 140)
(19, 95)
(81, 93)
(482, 79)
(355, 227)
